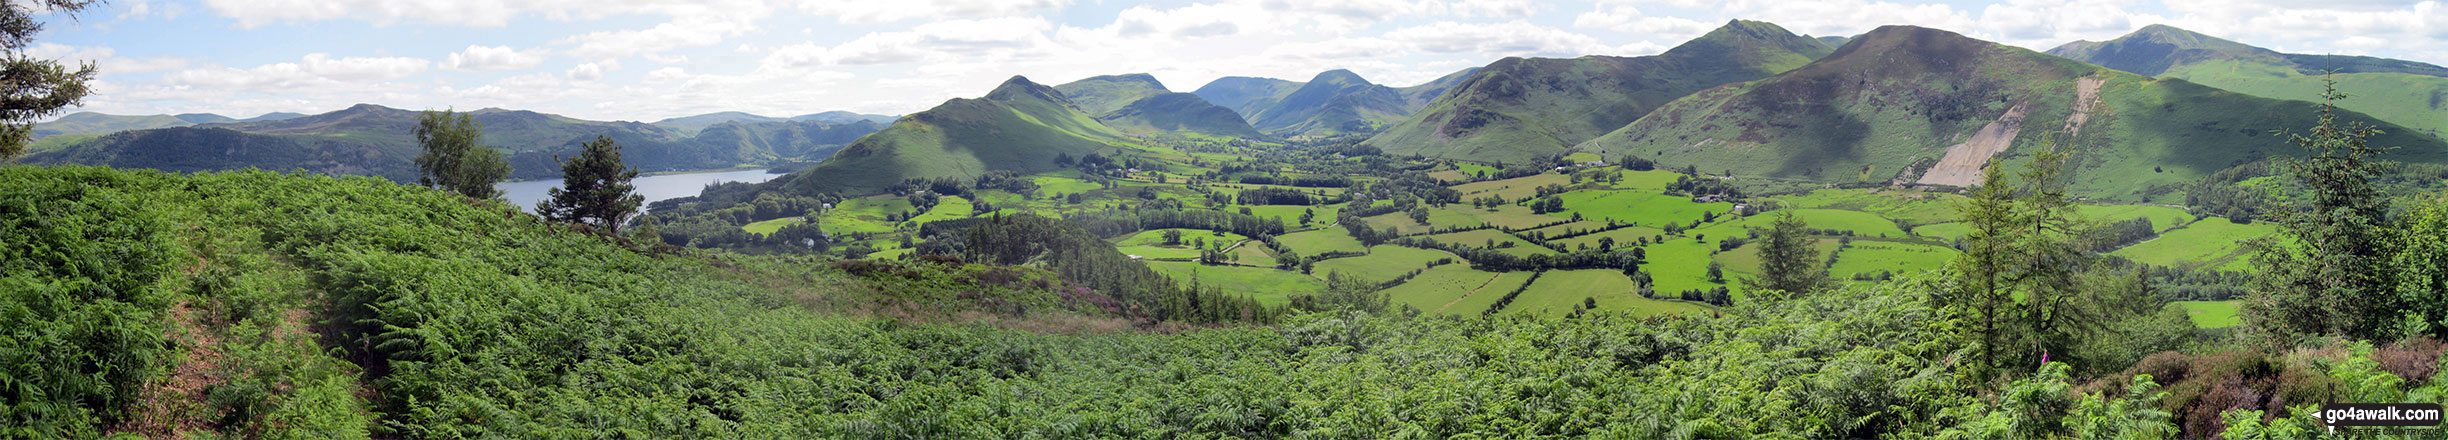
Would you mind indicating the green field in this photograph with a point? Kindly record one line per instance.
(1431, 291)
(1641, 207)
(1623, 237)
(2162, 218)
(1916, 207)
(1053, 185)
(1485, 295)
(1269, 286)
(1557, 291)
(1481, 238)
(1866, 256)
(948, 208)
(1150, 243)
(1682, 264)
(1384, 262)
(1513, 189)
(863, 215)
(1291, 214)
(2213, 242)
(769, 226)
(2214, 314)
(1320, 241)
(1652, 180)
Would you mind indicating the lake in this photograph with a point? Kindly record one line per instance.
(525, 194)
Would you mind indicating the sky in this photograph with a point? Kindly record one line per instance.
(646, 60)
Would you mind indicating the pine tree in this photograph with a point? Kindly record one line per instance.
(595, 188)
(2327, 276)
(36, 87)
(1788, 262)
(452, 160)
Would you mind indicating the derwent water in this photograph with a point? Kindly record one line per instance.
(525, 194)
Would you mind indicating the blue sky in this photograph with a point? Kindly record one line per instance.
(649, 59)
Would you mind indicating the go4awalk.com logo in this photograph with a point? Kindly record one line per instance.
(2380, 418)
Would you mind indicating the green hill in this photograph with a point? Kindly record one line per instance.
(1245, 95)
(838, 116)
(1021, 126)
(1178, 113)
(377, 141)
(1519, 108)
(1104, 94)
(273, 116)
(2403, 92)
(1908, 104)
(1419, 96)
(693, 124)
(1138, 104)
(1335, 102)
(98, 123)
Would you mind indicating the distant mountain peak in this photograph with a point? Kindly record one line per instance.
(1149, 80)
(1339, 76)
(1019, 87)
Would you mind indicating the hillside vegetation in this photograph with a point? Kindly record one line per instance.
(1020, 126)
(1887, 107)
(1517, 109)
(355, 307)
(2401, 92)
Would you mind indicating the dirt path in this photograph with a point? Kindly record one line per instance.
(1962, 164)
(174, 405)
(1474, 291)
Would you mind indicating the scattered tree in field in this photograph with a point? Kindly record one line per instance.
(2326, 276)
(452, 160)
(1716, 272)
(36, 87)
(595, 188)
(1172, 237)
(1788, 263)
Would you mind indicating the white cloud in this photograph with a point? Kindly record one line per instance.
(1625, 18)
(315, 69)
(587, 72)
(684, 32)
(974, 40)
(1512, 38)
(476, 58)
(1494, 8)
(873, 12)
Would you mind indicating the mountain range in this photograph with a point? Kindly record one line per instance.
(1519, 108)
(369, 139)
(1905, 104)
(692, 124)
(2142, 114)
(1333, 102)
(99, 123)
(1138, 104)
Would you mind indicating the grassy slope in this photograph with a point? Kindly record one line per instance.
(1333, 102)
(1099, 95)
(1519, 108)
(1019, 127)
(1246, 95)
(2405, 93)
(1899, 95)
(1178, 113)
